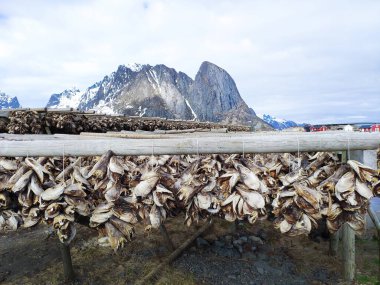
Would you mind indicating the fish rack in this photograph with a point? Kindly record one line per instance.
(359, 146)
(45, 119)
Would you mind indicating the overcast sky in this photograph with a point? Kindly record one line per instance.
(309, 61)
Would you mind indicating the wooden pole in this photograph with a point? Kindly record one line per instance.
(334, 243)
(167, 239)
(175, 254)
(68, 270)
(348, 253)
(348, 233)
(37, 145)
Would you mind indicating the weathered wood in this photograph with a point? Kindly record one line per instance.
(348, 239)
(348, 252)
(234, 143)
(334, 243)
(174, 255)
(376, 222)
(167, 239)
(67, 263)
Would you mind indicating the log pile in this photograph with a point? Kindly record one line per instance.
(113, 193)
(33, 122)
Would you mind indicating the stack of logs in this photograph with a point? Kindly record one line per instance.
(113, 193)
(33, 122)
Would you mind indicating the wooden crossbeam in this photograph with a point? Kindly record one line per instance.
(74, 145)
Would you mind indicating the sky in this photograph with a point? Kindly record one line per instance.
(308, 61)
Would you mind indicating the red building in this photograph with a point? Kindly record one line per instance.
(318, 128)
(375, 128)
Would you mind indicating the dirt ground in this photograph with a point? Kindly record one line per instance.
(30, 257)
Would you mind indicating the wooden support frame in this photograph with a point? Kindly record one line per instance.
(176, 253)
(74, 145)
(168, 242)
(68, 270)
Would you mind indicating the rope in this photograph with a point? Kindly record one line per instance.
(243, 148)
(63, 163)
(298, 152)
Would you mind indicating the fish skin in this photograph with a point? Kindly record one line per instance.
(155, 217)
(8, 165)
(248, 177)
(35, 186)
(363, 189)
(146, 185)
(254, 199)
(53, 193)
(22, 182)
(37, 168)
(99, 170)
(115, 237)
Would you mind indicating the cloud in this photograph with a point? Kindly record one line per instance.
(302, 60)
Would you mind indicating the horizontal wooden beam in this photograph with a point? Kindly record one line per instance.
(74, 145)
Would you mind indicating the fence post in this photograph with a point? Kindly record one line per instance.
(334, 243)
(348, 233)
(68, 270)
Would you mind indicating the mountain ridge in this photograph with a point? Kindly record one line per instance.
(161, 91)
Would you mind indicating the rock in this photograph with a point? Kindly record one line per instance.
(228, 238)
(193, 249)
(244, 239)
(202, 243)
(262, 234)
(237, 242)
(219, 243)
(231, 277)
(249, 255)
(275, 271)
(256, 239)
(260, 270)
(225, 252)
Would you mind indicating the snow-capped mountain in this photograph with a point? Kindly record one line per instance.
(160, 91)
(277, 123)
(70, 98)
(8, 102)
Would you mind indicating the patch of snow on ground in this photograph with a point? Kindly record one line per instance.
(191, 109)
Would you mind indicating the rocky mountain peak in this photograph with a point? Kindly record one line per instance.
(214, 93)
(161, 91)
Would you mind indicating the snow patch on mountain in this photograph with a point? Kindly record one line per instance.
(70, 98)
(278, 123)
(8, 102)
(191, 109)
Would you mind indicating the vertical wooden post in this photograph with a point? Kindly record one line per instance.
(348, 233)
(334, 243)
(348, 252)
(68, 270)
(168, 241)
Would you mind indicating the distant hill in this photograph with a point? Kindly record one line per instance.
(8, 102)
(160, 91)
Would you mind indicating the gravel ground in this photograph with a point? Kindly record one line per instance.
(219, 263)
(246, 255)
